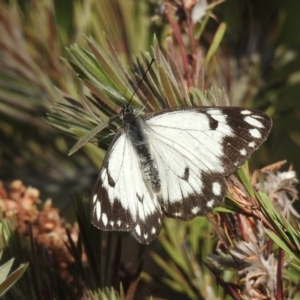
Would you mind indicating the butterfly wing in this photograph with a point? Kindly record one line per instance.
(122, 199)
(195, 148)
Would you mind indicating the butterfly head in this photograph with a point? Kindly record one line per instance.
(127, 114)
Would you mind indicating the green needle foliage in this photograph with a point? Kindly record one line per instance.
(59, 68)
(7, 280)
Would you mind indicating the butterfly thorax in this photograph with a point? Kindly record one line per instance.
(136, 131)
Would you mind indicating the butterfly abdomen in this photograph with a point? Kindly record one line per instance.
(136, 131)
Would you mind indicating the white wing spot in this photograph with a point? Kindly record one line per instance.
(153, 230)
(243, 152)
(255, 133)
(195, 209)
(217, 115)
(127, 225)
(159, 221)
(98, 210)
(251, 144)
(214, 112)
(177, 214)
(216, 187)
(210, 203)
(146, 235)
(253, 122)
(104, 219)
(119, 223)
(111, 223)
(95, 198)
(246, 112)
(138, 229)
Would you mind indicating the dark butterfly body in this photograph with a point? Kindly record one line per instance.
(172, 162)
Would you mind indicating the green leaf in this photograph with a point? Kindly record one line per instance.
(297, 267)
(244, 176)
(88, 136)
(112, 70)
(216, 42)
(12, 278)
(281, 243)
(177, 281)
(201, 26)
(5, 268)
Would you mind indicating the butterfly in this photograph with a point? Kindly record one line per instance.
(172, 162)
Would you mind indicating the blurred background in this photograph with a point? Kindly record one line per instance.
(257, 64)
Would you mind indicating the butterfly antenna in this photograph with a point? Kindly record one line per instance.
(148, 68)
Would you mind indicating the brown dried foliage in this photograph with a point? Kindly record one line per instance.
(20, 204)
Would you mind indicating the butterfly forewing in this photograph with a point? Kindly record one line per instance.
(191, 150)
(250, 129)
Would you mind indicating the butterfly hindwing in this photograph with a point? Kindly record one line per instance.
(121, 199)
(197, 204)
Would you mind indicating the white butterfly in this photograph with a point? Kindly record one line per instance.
(172, 162)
